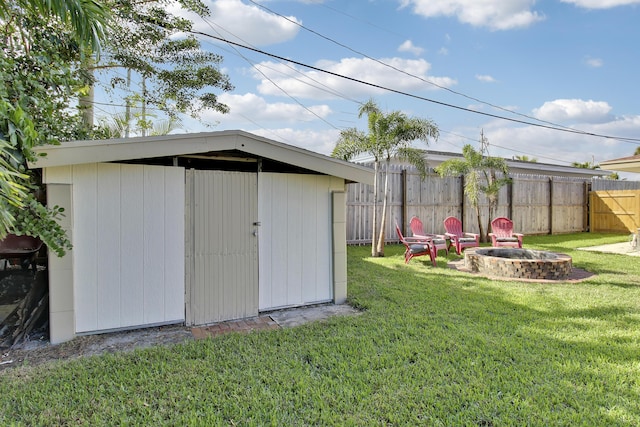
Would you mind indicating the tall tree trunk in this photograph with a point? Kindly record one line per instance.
(493, 201)
(144, 106)
(374, 218)
(483, 235)
(85, 102)
(127, 111)
(383, 220)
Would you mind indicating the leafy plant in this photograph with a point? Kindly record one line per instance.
(154, 45)
(36, 219)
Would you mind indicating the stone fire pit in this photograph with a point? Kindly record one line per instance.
(518, 263)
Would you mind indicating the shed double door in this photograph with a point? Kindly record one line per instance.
(256, 242)
(221, 246)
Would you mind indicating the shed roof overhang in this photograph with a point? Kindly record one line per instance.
(114, 150)
(624, 164)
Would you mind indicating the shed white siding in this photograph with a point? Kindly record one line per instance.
(128, 245)
(295, 249)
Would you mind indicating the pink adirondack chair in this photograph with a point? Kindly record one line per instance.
(459, 239)
(438, 240)
(416, 247)
(502, 233)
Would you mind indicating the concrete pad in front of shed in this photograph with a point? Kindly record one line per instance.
(298, 316)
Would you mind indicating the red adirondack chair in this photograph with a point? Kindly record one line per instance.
(459, 239)
(438, 240)
(502, 233)
(416, 247)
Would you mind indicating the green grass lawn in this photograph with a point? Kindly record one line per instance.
(433, 347)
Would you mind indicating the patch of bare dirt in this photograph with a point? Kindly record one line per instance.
(38, 351)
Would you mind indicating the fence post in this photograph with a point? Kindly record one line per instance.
(462, 212)
(403, 208)
(586, 218)
(551, 205)
(510, 198)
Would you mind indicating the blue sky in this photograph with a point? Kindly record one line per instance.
(571, 63)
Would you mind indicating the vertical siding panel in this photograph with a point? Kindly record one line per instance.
(85, 246)
(296, 233)
(274, 214)
(154, 228)
(131, 248)
(200, 301)
(108, 235)
(189, 249)
(174, 252)
(251, 300)
(210, 264)
(265, 239)
(231, 238)
(278, 245)
(310, 237)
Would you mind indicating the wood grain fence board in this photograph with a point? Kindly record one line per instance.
(615, 210)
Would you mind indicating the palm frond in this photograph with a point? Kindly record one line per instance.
(351, 143)
(416, 158)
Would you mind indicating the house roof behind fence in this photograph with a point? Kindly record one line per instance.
(114, 150)
(435, 158)
(623, 164)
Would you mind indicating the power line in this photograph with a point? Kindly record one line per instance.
(422, 98)
(211, 25)
(405, 72)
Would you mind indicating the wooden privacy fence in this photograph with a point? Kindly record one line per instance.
(536, 204)
(615, 211)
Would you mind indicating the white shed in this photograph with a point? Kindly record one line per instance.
(193, 228)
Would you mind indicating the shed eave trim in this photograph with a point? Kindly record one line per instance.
(80, 152)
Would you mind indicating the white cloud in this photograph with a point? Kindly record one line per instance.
(313, 84)
(485, 78)
(574, 111)
(408, 46)
(601, 4)
(252, 108)
(493, 14)
(241, 23)
(443, 51)
(557, 147)
(594, 62)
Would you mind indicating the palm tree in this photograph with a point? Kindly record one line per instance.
(480, 173)
(118, 126)
(390, 136)
(87, 18)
